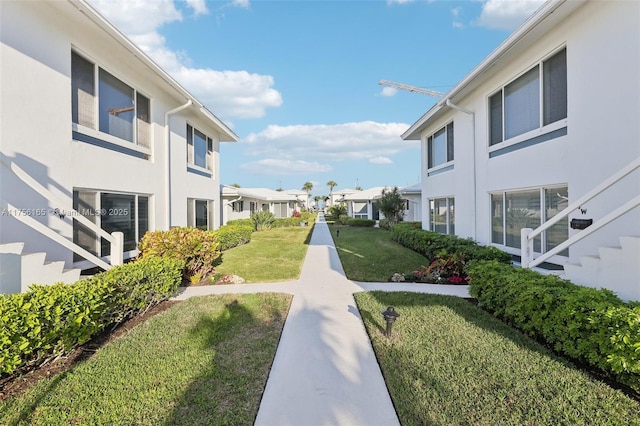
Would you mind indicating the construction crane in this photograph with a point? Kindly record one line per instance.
(409, 88)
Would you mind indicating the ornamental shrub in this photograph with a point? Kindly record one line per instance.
(198, 249)
(590, 325)
(49, 321)
(230, 236)
(262, 220)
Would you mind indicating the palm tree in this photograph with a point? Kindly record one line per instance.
(331, 184)
(308, 186)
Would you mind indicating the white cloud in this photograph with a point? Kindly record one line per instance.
(506, 14)
(380, 160)
(229, 94)
(364, 140)
(389, 91)
(399, 1)
(279, 167)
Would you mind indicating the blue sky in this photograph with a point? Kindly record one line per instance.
(297, 81)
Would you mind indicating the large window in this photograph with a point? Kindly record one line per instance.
(533, 100)
(513, 210)
(361, 210)
(442, 215)
(440, 147)
(199, 148)
(122, 112)
(126, 213)
(199, 213)
(237, 206)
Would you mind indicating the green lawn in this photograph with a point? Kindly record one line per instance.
(369, 254)
(273, 255)
(448, 362)
(204, 361)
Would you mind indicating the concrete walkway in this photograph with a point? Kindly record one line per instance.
(325, 371)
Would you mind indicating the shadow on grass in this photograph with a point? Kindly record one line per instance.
(228, 390)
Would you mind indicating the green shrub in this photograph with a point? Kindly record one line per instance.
(234, 235)
(49, 321)
(385, 224)
(285, 222)
(590, 325)
(337, 210)
(262, 220)
(343, 219)
(198, 249)
(361, 222)
(431, 244)
(240, 222)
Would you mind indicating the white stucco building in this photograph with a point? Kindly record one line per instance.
(241, 203)
(91, 127)
(541, 124)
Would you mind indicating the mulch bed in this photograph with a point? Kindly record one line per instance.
(16, 384)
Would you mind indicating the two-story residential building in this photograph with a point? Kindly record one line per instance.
(95, 139)
(546, 130)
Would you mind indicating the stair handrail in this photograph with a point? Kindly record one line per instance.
(115, 239)
(528, 234)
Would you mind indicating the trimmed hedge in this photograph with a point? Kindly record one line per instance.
(230, 236)
(361, 222)
(590, 325)
(49, 321)
(431, 244)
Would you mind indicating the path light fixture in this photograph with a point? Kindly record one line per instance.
(390, 316)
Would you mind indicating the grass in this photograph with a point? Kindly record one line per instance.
(449, 362)
(273, 255)
(369, 254)
(203, 361)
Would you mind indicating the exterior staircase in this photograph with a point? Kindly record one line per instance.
(617, 267)
(19, 270)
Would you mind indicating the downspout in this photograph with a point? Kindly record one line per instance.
(473, 130)
(167, 152)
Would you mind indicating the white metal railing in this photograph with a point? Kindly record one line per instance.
(527, 234)
(115, 239)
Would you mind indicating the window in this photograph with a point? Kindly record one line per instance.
(280, 210)
(535, 99)
(199, 148)
(361, 210)
(513, 210)
(199, 214)
(440, 147)
(253, 207)
(122, 112)
(126, 213)
(442, 215)
(237, 206)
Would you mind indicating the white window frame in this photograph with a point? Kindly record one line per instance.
(191, 148)
(191, 212)
(448, 131)
(540, 243)
(449, 221)
(141, 124)
(96, 212)
(538, 130)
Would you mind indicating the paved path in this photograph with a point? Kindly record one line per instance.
(325, 371)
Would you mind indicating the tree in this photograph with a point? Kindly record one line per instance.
(235, 185)
(308, 186)
(392, 205)
(331, 184)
